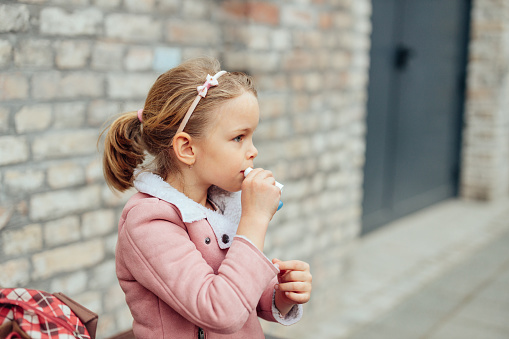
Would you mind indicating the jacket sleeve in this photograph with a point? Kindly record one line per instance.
(162, 258)
(264, 308)
(267, 309)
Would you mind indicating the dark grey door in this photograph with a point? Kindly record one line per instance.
(415, 104)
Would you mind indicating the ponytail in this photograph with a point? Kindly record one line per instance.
(123, 151)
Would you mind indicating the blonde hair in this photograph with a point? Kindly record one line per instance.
(127, 142)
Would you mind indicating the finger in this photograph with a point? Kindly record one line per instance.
(298, 298)
(297, 276)
(266, 174)
(294, 286)
(294, 265)
(260, 173)
(281, 276)
(276, 262)
(254, 172)
(271, 181)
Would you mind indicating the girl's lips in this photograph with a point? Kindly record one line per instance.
(247, 170)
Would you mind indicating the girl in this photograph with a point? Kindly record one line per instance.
(190, 243)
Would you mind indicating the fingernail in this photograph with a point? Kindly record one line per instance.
(276, 286)
(277, 266)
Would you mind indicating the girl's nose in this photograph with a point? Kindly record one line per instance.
(252, 153)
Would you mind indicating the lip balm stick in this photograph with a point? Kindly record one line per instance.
(278, 185)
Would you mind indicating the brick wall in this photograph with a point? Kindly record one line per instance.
(68, 66)
(485, 167)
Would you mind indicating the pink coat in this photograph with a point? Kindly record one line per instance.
(183, 269)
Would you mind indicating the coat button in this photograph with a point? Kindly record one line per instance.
(207, 240)
(225, 238)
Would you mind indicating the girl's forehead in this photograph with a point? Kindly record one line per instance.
(241, 112)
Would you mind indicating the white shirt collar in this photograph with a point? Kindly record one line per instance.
(223, 222)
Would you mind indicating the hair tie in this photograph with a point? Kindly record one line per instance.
(211, 81)
(140, 117)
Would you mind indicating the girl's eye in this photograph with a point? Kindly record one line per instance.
(238, 138)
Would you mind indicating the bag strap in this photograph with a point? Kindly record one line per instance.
(11, 326)
(87, 317)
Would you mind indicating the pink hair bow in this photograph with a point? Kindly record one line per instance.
(202, 93)
(210, 82)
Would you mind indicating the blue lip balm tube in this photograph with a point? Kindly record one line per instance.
(278, 185)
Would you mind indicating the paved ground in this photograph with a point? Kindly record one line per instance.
(471, 301)
(441, 273)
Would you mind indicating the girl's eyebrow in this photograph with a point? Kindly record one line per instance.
(244, 130)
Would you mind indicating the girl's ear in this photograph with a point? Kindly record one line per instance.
(183, 148)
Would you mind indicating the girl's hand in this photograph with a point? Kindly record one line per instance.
(260, 196)
(294, 285)
(260, 199)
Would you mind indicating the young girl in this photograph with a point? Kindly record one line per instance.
(190, 243)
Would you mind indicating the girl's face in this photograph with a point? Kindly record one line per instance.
(227, 148)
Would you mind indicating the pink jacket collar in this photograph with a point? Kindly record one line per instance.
(224, 221)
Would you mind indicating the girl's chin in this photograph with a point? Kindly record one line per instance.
(232, 189)
(228, 189)
(234, 185)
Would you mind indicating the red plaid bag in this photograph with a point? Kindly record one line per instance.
(39, 315)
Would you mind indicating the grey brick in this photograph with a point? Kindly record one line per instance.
(50, 205)
(34, 53)
(15, 272)
(62, 231)
(14, 18)
(18, 241)
(24, 180)
(129, 86)
(65, 144)
(133, 27)
(65, 174)
(32, 118)
(72, 54)
(13, 149)
(13, 86)
(5, 53)
(67, 259)
(74, 85)
(57, 21)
